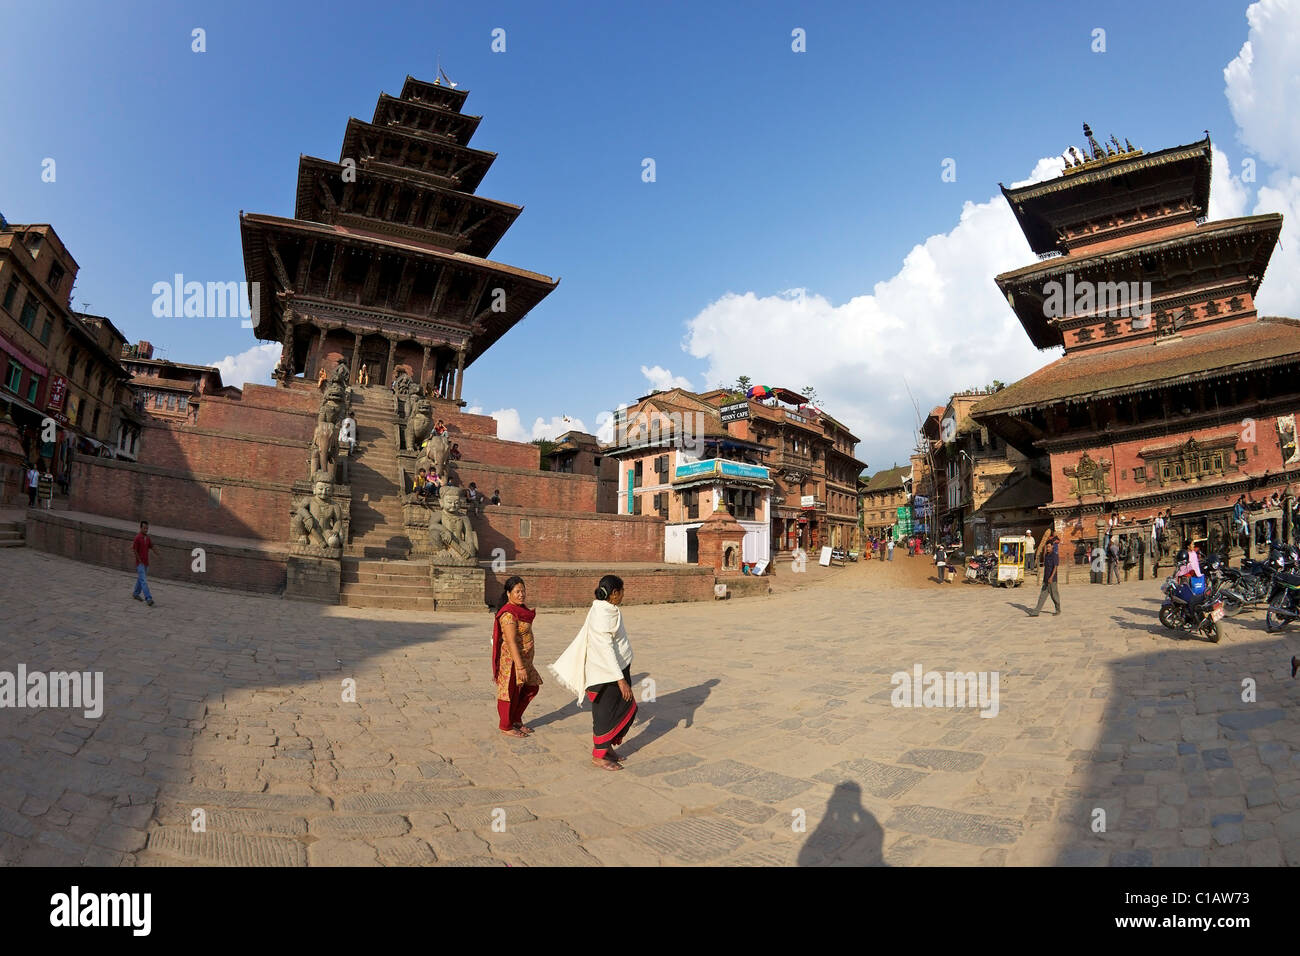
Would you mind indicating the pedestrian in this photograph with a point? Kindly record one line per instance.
(45, 489)
(1051, 562)
(33, 483)
(364, 380)
(454, 454)
(1112, 559)
(889, 544)
(941, 563)
(512, 658)
(348, 434)
(140, 547)
(597, 665)
(496, 496)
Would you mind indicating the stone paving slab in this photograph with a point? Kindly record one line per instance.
(787, 750)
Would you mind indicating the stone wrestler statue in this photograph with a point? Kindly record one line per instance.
(319, 521)
(450, 533)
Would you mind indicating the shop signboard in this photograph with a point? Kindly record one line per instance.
(58, 392)
(734, 413)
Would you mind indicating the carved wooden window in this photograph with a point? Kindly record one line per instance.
(1139, 473)
(1241, 456)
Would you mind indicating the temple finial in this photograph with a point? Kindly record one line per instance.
(1097, 151)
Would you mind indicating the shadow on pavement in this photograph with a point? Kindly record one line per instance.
(669, 711)
(848, 834)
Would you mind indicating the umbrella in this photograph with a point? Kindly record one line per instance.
(759, 391)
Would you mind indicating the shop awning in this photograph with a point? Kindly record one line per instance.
(10, 349)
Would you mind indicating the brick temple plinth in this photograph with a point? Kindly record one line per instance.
(720, 538)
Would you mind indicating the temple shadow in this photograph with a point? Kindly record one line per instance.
(847, 835)
(669, 712)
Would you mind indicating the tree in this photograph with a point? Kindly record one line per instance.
(545, 446)
(742, 384)
(810, 394)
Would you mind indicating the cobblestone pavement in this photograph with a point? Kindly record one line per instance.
(767, 712)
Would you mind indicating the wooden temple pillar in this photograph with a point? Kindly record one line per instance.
(460, 371)
(317, 361)
(424, 364)
(356, 357)
(392, 354)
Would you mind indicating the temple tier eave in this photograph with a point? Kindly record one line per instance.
(1229, 257)
(406, 208)
(391, 148)
(394, 288)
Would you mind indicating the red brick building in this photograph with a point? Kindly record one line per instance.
(1173, 393)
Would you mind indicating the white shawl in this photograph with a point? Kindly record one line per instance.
(598, 654)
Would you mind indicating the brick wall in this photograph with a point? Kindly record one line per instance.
(244, 569)
(495, 451)
(204, 451)
(286, 413)
(179, 499)
(552, 537)
(575, 587)
(539, 490)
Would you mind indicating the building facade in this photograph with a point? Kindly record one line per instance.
(882, 495)
(60, 365)
(811, 458)
(171, 390)
(675, 460)
(1173, 395)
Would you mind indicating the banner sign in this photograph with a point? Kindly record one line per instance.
(58, 392)
(734, 413)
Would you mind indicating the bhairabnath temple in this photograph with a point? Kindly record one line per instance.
(1174, 396)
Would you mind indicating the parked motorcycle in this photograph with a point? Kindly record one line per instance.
(982, 568)
(1193, 606)
(1284, 605)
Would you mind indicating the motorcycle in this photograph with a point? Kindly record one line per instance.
(1193, 606)
(982, 568)
(1284, 604)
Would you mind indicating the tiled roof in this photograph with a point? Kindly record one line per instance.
(885, 480)
(1199, 355)
(1025, 492)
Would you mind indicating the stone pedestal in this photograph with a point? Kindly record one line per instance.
(721, 537)
(458, 588)
(12, 466)
(313, 579)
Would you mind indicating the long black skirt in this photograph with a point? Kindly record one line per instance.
(611, 715)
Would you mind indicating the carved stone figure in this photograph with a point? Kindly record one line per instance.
(452, 537)
(342, 375)
(419, 422)
(318, 522)
(403, 384)
(438, 452)
(324, 442)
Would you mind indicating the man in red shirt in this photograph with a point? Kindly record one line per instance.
(140, 547)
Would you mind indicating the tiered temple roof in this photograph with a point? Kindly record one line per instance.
(391, 240)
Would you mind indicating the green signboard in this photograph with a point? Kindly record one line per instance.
(631, 480)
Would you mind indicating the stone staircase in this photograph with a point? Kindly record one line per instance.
(375, 570)
(377, 526)
(12, 534)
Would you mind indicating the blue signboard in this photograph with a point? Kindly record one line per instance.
(719, 466)
(631, 480)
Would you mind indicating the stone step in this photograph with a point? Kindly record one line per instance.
(8, 543)
(406, 569)
(387, 602)
(414, 589)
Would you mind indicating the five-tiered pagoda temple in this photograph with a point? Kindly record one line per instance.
(385, 261)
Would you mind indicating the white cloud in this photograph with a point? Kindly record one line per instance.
(511, 428)
(940, 322)
(253, 365)
(661, 379)
(1228, 194)
(1261, 83)
(1263, 92)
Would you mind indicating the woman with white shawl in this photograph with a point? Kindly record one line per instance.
(598, 665)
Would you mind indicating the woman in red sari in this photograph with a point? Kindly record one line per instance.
(512, 659)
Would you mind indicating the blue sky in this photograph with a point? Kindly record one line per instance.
(776, 170)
